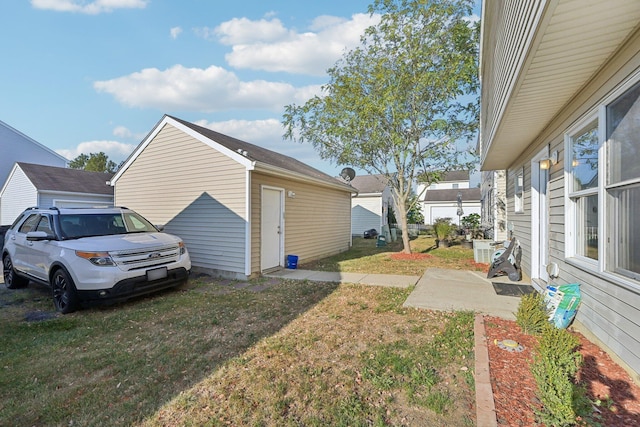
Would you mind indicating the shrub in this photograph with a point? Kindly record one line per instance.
(443, 228)
(554, 368)
(532, 316)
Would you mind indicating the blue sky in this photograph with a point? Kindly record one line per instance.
(84, 76)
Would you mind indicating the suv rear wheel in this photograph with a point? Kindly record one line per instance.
(64, 292)
(11, 279)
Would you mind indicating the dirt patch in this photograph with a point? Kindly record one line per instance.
(616, 398)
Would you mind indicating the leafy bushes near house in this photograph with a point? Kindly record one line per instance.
(531, 315)
(555, 366)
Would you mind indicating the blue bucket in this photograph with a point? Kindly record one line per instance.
(292, 261)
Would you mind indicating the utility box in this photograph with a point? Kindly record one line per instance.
(482, 251)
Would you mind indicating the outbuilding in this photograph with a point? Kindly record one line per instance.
(30, 184)
(240, 208)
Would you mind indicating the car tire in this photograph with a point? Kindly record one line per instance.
(65, 298)
(11, 279)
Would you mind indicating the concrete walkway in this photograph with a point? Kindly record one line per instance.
(443, 290)
(453, 290)
(438, 289)
(392, 280)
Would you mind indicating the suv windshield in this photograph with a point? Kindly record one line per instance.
(103, 224)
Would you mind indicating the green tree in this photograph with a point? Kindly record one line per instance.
(94, 162)
(414, 214)
(398, 104)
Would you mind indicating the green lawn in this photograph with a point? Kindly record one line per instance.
(365, 257)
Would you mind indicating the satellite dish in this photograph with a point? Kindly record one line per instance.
(348, 174)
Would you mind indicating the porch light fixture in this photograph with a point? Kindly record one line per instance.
(548, 162)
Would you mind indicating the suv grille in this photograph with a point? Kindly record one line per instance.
(149, 257)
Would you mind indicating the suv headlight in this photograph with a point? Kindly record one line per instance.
(102, 259)
(183, 249)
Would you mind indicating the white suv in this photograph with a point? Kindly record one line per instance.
(91, 254)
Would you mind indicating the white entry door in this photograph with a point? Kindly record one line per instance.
(271, 229)
(539, 218)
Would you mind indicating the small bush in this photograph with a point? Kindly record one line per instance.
(532, 316)
(554, 368)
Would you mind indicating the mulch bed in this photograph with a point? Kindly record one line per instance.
(514, 387)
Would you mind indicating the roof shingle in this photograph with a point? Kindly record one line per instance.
(51, 178)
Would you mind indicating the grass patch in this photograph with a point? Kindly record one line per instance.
(219, 353)
(365, 257)
(117, 365)
(345, 365)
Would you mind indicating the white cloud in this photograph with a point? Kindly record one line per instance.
(122, 132)
(175, 32)
(196, 89)
(91, 8)
(268, 45)
(116, 151)
(243, 31)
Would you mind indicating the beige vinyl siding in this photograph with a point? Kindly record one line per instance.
(196, 192)
(317, 221)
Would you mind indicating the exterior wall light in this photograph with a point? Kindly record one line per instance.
(548, 162)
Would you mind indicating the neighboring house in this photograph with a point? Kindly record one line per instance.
(47, 186)
(17, 147)
(370, 207)
(493, 200)
(241, 209)
(560, 111)
(440, 199)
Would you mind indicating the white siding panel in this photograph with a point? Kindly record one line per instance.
(19, 194)
(366, 213)
(47, 199)
(197, 193)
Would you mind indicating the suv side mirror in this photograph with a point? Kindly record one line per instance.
(37, 236)
(159, 227)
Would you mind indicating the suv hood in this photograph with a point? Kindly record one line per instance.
(122, 242)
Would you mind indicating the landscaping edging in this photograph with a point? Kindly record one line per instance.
(485, 406)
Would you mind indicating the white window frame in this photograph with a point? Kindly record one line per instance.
(518, 190)
(571, 213)
(600, 266)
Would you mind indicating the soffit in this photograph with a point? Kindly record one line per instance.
(575, 39)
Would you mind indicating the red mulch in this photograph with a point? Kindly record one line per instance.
(514, 387)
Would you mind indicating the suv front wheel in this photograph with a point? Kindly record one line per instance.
(11, 279)
(64, 292)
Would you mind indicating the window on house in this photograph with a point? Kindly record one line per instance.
(603, 185)
(583, 189)
(623, 182)
(455, 186)
(519, 191)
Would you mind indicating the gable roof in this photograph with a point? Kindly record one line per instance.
(455, 176)
(451, 195)
(251, 155)
(51, 178)
(369, 183)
